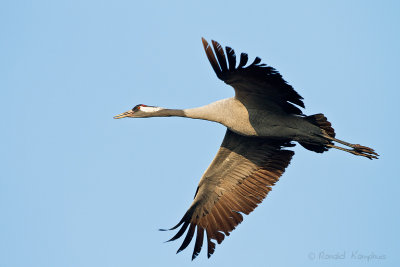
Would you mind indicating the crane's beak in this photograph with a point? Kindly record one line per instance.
(125, 114)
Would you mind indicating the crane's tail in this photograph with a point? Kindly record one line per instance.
(329, 134)
(322, 122)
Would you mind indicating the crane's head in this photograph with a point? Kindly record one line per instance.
(139, 111)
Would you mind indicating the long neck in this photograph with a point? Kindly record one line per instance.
(211, 112)
(168, 113)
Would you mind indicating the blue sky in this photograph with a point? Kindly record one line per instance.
(78, 188)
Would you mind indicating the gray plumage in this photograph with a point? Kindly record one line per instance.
(262, 119)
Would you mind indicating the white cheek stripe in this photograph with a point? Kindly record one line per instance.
(150, 109)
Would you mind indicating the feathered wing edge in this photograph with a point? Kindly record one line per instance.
(282, 92)
(242, 190)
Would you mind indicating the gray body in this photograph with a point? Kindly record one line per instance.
(256, 121)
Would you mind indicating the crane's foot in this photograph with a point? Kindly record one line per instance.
(364, 149)
(358, 152)
(357, 149)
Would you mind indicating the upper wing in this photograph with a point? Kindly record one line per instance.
(238, 179)
(257, 82)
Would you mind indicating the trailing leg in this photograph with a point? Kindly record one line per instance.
(357, 149)
(328, 133)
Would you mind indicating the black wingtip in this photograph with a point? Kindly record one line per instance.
(243, 60)
(194, 256)
(219, 52)
(231, 58)
(205, 43)
(211, 57)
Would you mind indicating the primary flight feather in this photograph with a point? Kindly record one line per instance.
(262, 119)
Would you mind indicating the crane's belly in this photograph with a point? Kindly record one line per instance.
(272, 131)
(275, 126)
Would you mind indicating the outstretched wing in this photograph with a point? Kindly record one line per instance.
(256, 82)
(238, 179)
